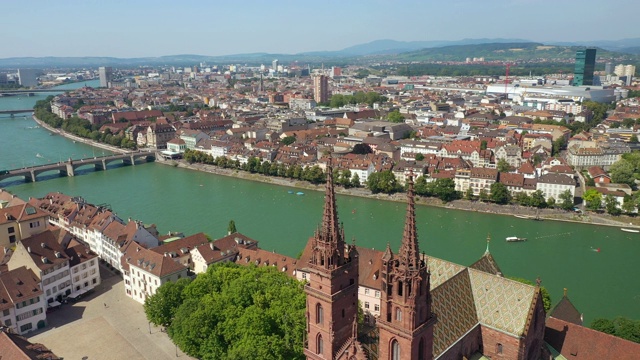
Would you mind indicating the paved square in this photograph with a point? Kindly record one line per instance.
(90, 330)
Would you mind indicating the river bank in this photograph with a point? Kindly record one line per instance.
(466, 205)
(78, 138)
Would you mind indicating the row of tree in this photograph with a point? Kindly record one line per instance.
(360, 97)
(620, 327)
(79, 127)
(233, 312)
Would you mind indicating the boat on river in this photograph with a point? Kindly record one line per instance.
(630, 230)
(299, 193)
(515, 239)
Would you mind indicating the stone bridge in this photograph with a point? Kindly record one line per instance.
(68, 168)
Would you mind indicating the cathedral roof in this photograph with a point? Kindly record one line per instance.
(564, 310)
(441, 270)
(487, 264)
(454, 306)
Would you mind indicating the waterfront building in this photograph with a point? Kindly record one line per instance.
(20, 221)
(601, 155)
(83, 265)
(321, 88)
(144, 271)
(585, 65)
(180, 249)
(47, 259)
(28, 77)
(159, 134)
(22, 304)
(553, 185)
(106, 76)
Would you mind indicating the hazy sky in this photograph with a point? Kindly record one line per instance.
(136, 28)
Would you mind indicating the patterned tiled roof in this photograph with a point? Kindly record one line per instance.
(453, 304)
(487, 264)
(501, 303)
(441, 270)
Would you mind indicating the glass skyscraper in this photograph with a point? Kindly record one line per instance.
(585, 64)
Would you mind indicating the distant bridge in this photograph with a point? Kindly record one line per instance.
(68, 168)
(32, 91)
(13, 112)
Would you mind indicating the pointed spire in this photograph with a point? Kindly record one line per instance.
(388, 254)
(488, 241)
(409, 252)
(330, 224)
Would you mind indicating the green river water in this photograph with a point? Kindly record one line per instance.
(601, 284)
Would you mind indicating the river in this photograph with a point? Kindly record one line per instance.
(600, 283)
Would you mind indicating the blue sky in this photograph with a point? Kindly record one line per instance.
(136, 28)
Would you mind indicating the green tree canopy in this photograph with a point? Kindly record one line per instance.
(382, 182)
(160, 307)
(620, 327)
(593, 199)
(611, 205)
(232, 227)
(395, 117)
(445, 189)
(503, 166)
(500, 193)
(288, 140)
(566, 200)
(622, 172)
(419, 157)
(236, 312)
(362, 149)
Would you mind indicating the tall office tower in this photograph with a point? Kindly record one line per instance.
(608, 68)
(28, 77)
(625, 70)
(106, 74)
(274, 65)
(585, 64)
(321, 88)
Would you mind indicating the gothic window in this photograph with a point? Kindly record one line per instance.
(400, 288)
(319, 314)
(398, 314)
(320, 344)
(421, 350)
(499, 348)
(395, 350)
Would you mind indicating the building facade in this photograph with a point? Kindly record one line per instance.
(585, 65)
(321, 89)
(106, 75)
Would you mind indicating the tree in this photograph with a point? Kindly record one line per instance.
(384, 182)
(345, 178)
(468, 195)
(232, 227)
(445, 189)
(611, 205)
(593, 199)
(483, 196)
(537, 199)
(503, 166)
(629, 205)
(160, 307)
(355, 180)
(289, 140)
(483, 145)
(395, 117)
(551, 202)
(633, 139)
(241, 312)
(362, 149)
(621, 327)
(419, 157)
(622, 172)
(566, 200)
(500, 193)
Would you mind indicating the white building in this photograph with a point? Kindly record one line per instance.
(144, 271)
(22, 306)
(552, 185)
(83, 265)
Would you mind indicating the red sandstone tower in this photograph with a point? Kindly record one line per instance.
(332, 291)
(406, 322)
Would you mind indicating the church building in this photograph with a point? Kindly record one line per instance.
(423, 307)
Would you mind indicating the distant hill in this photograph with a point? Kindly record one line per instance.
(379, 50)
(629, 46)
(500, 51)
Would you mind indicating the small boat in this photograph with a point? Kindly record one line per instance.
(515, 239)
(299, 193)
(38, 155)
(630, 230)
(290, 191)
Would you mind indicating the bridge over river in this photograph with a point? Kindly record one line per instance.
(69, 168)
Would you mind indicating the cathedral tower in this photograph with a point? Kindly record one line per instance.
(332, 290)
(406, 322)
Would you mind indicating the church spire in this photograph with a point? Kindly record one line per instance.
(409, 253)
(329, 238)
(488, 241)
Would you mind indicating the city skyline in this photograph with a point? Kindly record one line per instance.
(145, 28)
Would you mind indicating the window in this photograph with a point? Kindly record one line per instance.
(12, 239)
(5, 313)
(376, 307)
(7, 322)
(11, 230)
(26, 327)
(366, 291)
(75, 270)
(499, 348)
(377, 293)
(320, 344)
(398, 314)
(366, 304)
(94, 281)
(395, 350)
(319, 314)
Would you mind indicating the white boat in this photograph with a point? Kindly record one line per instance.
(515, 239)
(630, 230)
